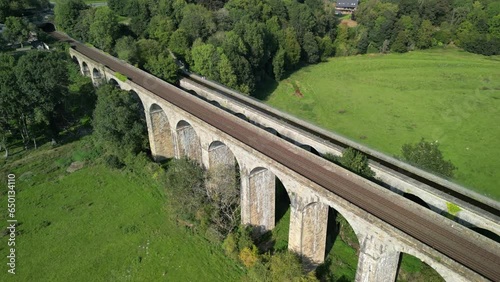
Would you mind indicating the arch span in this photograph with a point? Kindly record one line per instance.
(487, 233)
(242, 116)
(75, 60)
(261, 199)
(310, 149)
(220, 155)
(412, 268)
(162, 141)
(97, 77)
(416, 199)
(85, 69)
(272, 131)
(342, 244)
(223, 184)
(188, 142)
(113, 82)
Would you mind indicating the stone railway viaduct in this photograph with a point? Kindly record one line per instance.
(175, 132)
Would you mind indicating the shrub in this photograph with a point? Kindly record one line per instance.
(427, 155)
(249, 256)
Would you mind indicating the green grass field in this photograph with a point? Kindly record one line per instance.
(385, 101)
(98, 224)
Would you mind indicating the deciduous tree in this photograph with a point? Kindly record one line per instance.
(427, 155)
(119, 122)
(16, 30)
(163, 66)
(67, 12)
(104, 29)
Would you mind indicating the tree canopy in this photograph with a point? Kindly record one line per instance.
(119, 122)
(427, 155)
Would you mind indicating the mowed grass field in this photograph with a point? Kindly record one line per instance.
(384, 101)
(100, 224)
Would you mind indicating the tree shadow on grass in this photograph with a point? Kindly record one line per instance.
(265, 88)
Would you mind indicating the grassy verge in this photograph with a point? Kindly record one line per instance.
(99, 224)
(385, 101)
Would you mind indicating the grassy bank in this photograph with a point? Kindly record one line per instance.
(99, 224)
(385, 101)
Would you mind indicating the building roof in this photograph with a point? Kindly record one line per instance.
(347, 3)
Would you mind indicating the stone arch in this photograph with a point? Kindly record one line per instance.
(215, 103)
(242, 116)
(310, 149)
(97, 77)
(261, 199)
(342, 242)
(416, 199)
(411, 267)
(113, 82)
(85, 69)
(271, 130)
(188, 142)
(75, 60)
(219, 154)
(486, 233)
(139, 100)
(162, 141)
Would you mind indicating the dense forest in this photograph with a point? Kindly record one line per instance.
(241, 42)
(405, 25)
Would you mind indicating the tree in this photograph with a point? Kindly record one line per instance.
(184, 186)
(425, 35)
(180, 45)
(494, 28)
(356, 162)
(82, 26)
(301, 19)
(164, 67)
(9, 97)
(160, 28)
(119, 122)
(341, 42)
(118, 6)
(292, 48)
(255, 37)
(197, 22)
(67, 12)
(226, 72)
(310, 47)
(104, 29)
(427, 155)
(141, 14)
(205, 60)
(279, 64)
(42, 79)
(400, 44)
(223, 193)
(126, 49)
(148, 50)
(16, 30)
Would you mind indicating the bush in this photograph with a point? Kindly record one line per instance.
(427, 155)
(354, 161)
(249, 256)
(113, 161)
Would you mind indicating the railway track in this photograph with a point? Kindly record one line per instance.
(442, 237)
(384, 161)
